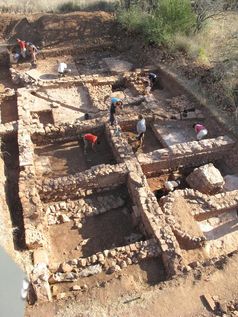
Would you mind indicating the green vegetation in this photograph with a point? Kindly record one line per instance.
(161, 22)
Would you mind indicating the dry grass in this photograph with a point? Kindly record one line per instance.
(41, 6)
(218, 41)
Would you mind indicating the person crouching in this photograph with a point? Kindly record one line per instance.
(63, 69)
(90, 139)
(200, 130)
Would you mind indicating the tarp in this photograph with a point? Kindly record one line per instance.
(11, 284)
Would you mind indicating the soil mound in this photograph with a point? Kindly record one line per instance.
(56, 29)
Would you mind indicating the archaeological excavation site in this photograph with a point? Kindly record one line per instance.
(98, 225)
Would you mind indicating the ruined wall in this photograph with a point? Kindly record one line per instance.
(186, 154)
(152, 218)
(100, 176)
(121, 149)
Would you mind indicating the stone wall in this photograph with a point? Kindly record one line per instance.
(108, 260)
(77, 210)
(69, 187)
(28, 193)
(121, 149)
(152, 218)
(202, 207)
(186, 154)
(8, 128)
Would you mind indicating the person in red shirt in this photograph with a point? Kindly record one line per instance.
(22, 45)
(200, 130)
(90, 139)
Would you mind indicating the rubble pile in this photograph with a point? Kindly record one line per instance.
(99, 94)
(76, 210)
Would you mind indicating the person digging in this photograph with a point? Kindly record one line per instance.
(33, 51)
(200, 130)
(90, 139)
(63, 69)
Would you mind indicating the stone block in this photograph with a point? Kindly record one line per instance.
(207, 179)
(40, 256)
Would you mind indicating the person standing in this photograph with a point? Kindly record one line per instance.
(152, 79)
(200, 130)
(115, 104)
(90, 138)
(141, 129)
(32, 51)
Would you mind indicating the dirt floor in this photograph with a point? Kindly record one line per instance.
(157, 182)
(150, 143)
(69, 158)
(180, 131)
(101, 232)
(181, 211)
(9, 110)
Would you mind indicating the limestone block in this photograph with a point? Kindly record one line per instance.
(40, 256)
(66, 268)
(207, 179)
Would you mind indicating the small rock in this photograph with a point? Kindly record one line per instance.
(113, 253)
(84, 287)
(91, 270)
(60, 295)
(76, 288)
(64, 218)
(123, 264)
(82, 262)
(66, 268)
(94, 258)
(209, 301)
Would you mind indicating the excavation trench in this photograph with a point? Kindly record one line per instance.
(11, 160)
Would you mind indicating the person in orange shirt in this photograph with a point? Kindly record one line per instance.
(90, 139)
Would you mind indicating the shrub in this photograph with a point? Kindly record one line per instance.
(101, 6)
(132, 19)
(160, 25)
(68, 7)
(94, 6)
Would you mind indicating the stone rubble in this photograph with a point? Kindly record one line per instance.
(76, 210)
(107, 260)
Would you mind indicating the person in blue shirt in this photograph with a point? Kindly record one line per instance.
(115, 104)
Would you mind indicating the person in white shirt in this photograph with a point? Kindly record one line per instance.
(63, 69)
(141, 129)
